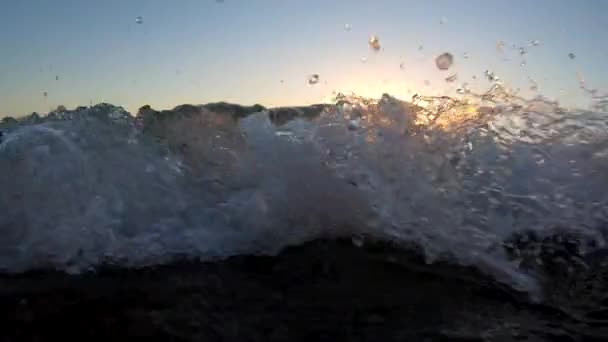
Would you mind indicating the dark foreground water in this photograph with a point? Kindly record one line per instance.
(324, 290)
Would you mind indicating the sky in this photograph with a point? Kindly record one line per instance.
(82, 52)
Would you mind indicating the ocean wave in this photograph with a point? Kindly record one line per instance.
(488, 181)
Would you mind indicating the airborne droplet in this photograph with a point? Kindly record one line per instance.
(374, 43)
(402, 66)
(571, 55)
(500, 46)
(522, 51)
(535, 42)
(491, 76)
(464, 89)
(313, 79)
(533, 85)
(347, 27)
(444, 61)
(139, 19)
(451, 78)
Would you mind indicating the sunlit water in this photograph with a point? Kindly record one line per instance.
(458, 177)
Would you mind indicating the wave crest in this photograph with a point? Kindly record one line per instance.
(459, 177)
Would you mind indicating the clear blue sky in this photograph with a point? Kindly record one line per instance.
(196, 51)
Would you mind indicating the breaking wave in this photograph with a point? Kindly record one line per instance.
(484, 181)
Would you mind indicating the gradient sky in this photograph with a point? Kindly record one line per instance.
(262, 51)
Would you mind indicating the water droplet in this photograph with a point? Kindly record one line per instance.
(374, 43)
(522, 51)
(346, 109)
(45, 94)
(464, 89)
(313, 79)
(444, 61)
(523, 63)
(56, 78)
(465, 55)
(427, 82)
(139, 19)
(533, 85)
(571, 55)
(443, 20)
(402, 66)
(474, 77)
(451, 78)
(500, 46)
(420, 47)
(491, 76)
(535, 42)
(347, 27)
(363, 59)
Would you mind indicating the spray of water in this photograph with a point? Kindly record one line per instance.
(459, 177)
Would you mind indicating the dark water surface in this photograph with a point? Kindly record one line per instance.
(324, 290)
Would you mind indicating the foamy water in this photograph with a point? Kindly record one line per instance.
(96, 185)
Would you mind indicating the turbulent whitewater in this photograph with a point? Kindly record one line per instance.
(472, 181)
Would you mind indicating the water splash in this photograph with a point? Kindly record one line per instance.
(459, 177)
